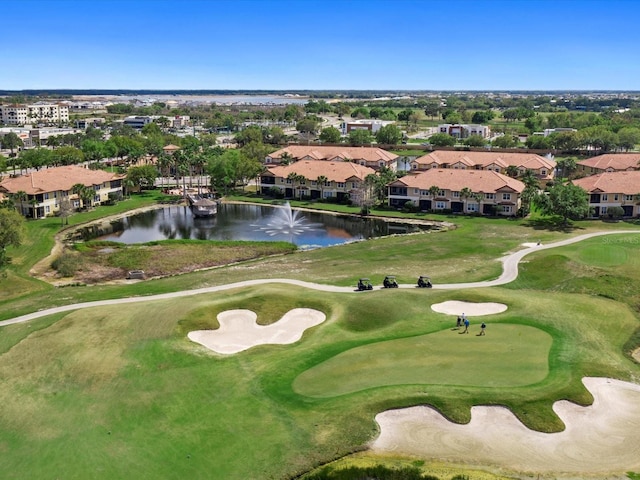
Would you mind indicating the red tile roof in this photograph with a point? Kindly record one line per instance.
(627, 183)
(316, 152)
(57, 179)
(615, 161)
(484, 181)
(503, 159)
(312, 169)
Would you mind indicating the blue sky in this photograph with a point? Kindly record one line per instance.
(321, 44)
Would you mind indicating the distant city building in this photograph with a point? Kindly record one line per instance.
(22, 114)
(372, 125)
(137, 121)
(464, 131)
(85, 123)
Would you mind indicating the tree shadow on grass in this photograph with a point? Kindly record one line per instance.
(553, 224)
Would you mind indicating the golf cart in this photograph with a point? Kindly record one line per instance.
(424, 282)
(364, 284)
(390, 282)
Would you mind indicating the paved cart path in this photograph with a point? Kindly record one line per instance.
(509, 273)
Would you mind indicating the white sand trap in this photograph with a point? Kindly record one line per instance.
(601, 438)
(239, 331)
(470, 309)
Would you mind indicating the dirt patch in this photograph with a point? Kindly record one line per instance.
(636, 354)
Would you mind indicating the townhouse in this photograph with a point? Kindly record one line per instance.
(39, 193)
(500, 162)
(316, 179)
(459, 191)
(613, 189)
(609, 162)
(371, 157)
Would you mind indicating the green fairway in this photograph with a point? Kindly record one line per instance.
(513, 355)
(120, 392)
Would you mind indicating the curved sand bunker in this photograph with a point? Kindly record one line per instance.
(470, 309)
(601, 438)
(239, 331)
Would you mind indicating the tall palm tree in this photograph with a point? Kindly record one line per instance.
(321, 181)
(434, 190)
(512, 171)
(465, 194)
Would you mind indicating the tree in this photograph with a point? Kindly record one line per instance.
(11, 141)
(67, 156)
(453, 117)
(330, 135)
(505, 141)
(568, 201)
(475, 141)
(360, 137)
(628, 137)
(483, 116)
(84, 193)
(432, 109)
(308, 124)
(442, 140)
(12, 232)
(512, 171)
(389, 135)
(566, 166)
(465, 194)
(65, 210)
(538, 142)
(143, 176)
(321, 180)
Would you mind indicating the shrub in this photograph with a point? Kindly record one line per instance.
(66, 265)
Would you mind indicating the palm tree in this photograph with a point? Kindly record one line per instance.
(465, 194)
(512, 171)
(34, 202)
(21, 197)
(293, 178)
(434, 190)
(321, 181)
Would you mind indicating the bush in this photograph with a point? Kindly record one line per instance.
(410, 207)
(615, 213)
(66, 265)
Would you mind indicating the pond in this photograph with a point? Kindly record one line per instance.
(247, 222)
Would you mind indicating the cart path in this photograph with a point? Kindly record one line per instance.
(509, 273)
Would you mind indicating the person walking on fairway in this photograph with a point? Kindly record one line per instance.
(482, 327)
(466, 324)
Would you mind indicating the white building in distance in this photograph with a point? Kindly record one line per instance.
(21, 114)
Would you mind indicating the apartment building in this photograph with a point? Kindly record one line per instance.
(42, 191)
(613, 189)
(315, 179)
(609, 162)
(464, 131)
(371, 157)
(495, 161)
(459, 191)
(34, 113)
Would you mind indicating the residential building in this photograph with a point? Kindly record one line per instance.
(23, 134)
(464, 131)
(371, 157)
(495, 161)
(613, 189)
(21, 114)
(372, 125)
(609, 162)
(44, 189)
(489, 192)
(85, 123)
(342, 179)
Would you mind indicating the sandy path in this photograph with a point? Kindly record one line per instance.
(601, 438)
(239, 331)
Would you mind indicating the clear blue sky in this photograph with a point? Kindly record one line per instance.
(321, 44)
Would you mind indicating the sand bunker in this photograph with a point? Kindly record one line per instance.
(601, 438)
(470, 309)
(239, 331)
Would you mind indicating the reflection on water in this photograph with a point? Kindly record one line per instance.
(244, 222)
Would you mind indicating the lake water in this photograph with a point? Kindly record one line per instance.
(246, 222)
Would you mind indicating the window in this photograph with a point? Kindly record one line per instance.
(289, 181)
(47, 209)
(490, 196)
(314, 183)
(341, 184)
(615, 197)
(441, 193)
(441, 205)
(543, 171)
(628, 198)
(507, 208)
(414, 166)
(456, 194)
(424, 193)
(604, 197)
(303, 181)
(416, 190)
(506, 196)
(327, 195)
(46, 196)
(603, 210)
(354, 184)
(472, 207)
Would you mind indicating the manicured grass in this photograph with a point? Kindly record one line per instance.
(120, 392)
(512, 356)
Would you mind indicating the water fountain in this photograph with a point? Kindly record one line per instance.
(285, 221)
